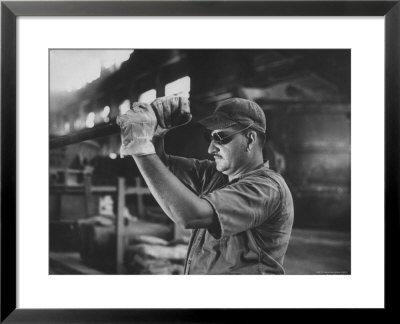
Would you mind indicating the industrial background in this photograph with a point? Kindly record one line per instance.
(102, 217)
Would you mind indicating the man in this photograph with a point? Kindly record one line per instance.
(240, 211)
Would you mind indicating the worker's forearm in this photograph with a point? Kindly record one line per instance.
(158, 142)
(177, 201)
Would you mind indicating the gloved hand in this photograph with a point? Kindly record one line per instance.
(137, 130)
(171, 112)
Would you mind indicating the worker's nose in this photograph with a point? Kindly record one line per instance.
(212, 148)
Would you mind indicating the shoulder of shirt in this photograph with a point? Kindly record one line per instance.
(263, 171)
(263, 176)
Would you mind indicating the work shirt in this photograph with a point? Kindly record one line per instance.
(252, 224)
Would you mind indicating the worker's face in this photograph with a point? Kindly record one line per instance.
(229, 157)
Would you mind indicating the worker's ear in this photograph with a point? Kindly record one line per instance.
(251, 139)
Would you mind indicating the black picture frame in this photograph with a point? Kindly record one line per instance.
(11, 10)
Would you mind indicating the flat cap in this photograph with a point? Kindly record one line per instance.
(236, 111)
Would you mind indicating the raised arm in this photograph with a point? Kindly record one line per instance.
(176, 200)
(142, 135)
(158, 142)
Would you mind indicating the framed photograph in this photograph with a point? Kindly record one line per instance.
(83, 239)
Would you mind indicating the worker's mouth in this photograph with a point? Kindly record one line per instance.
(216, 156)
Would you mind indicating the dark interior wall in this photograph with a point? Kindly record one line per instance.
(187, 141)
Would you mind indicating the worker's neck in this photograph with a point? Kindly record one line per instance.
(252, 163)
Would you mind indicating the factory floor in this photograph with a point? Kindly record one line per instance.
(310, 252)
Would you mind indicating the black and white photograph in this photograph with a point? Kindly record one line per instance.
(199, 161)
(152, 151)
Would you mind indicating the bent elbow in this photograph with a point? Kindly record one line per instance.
(186, 223)
(195, 216)
(182, 220)
(194, 223)
(187, 226)
(179, 218)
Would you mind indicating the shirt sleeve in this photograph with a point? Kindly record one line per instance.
(243, 205)
(193, 173)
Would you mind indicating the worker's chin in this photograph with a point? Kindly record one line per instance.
(221, 165)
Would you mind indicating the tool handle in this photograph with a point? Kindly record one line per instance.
(101, 130)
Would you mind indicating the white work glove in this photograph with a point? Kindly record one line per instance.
(137, 130)
(171, 112)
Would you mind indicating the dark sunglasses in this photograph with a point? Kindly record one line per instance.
(222, 137)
